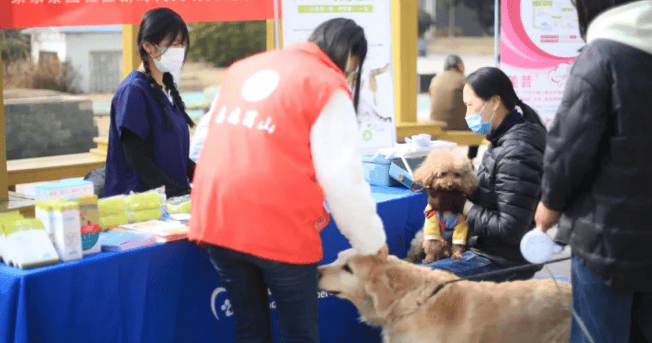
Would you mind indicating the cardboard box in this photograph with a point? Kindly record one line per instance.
(63, 189)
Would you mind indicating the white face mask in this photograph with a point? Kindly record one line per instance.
(171, 62)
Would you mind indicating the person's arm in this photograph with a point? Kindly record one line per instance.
(338, 164)
(517, 189)
(201, 132)
(190, 172)
(138, 159)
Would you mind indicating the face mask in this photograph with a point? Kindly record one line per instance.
(477, 125)
(171, 62)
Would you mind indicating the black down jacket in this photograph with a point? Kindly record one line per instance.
(509, 190)
(598, 164)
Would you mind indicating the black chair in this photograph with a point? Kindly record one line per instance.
(97, 176)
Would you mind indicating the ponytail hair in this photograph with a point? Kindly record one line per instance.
(529, 114)
(338, 38)
(489, 81)
(178, 103)
(157, 90)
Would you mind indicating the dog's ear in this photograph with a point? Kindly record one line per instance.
(384, 288)
(382, 253)
(423, 176)
(469, 178)
(427, 170)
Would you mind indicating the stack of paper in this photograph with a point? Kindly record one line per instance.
(123, 240)
(183, 218)
(165, 231)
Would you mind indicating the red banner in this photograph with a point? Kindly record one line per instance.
(44, 13)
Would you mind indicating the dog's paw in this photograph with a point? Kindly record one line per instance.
(416, 253)
(428, 259)
(437, 248)
(458, 251)
(414, 258)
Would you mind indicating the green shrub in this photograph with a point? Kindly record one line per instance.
(223, 43)
(14, 46)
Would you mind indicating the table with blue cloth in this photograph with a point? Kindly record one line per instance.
(170, 292)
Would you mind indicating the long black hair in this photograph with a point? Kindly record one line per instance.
(337, 38)
(158, 25)
(587, 10)
(489, 81)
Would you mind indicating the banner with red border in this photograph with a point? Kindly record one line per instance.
(45, 13)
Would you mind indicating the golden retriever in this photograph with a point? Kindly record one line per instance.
(401, 298)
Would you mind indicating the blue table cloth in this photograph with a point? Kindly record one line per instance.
(170, 292)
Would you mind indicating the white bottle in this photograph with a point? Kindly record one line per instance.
(67, 230)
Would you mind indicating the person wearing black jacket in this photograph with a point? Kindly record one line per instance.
(501, 210)
(597, 172)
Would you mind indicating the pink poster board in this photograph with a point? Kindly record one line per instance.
(539, 43)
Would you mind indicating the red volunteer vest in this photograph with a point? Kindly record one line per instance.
(255, 189)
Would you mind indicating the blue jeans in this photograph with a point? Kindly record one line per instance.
(610, 315)
(294, 287)
(473, 264)
(470, 264)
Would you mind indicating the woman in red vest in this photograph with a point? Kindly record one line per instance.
(282, 138)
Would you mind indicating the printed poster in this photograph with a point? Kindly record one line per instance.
(540, 40)
(376, 108)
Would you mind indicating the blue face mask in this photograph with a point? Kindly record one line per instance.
(477, 125)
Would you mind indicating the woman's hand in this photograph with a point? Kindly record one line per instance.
(467, 207)
(545, 217)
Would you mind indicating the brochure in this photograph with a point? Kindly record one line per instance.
(165, 231)
(123, 240)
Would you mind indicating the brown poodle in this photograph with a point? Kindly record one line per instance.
(449, 180)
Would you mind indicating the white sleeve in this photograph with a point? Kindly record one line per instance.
(201, 131)
(338, 164)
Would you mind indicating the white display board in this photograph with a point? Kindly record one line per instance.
(376, 108)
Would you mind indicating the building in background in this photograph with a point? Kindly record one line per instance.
(94, 53)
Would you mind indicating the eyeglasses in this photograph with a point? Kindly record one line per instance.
(161, 50)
